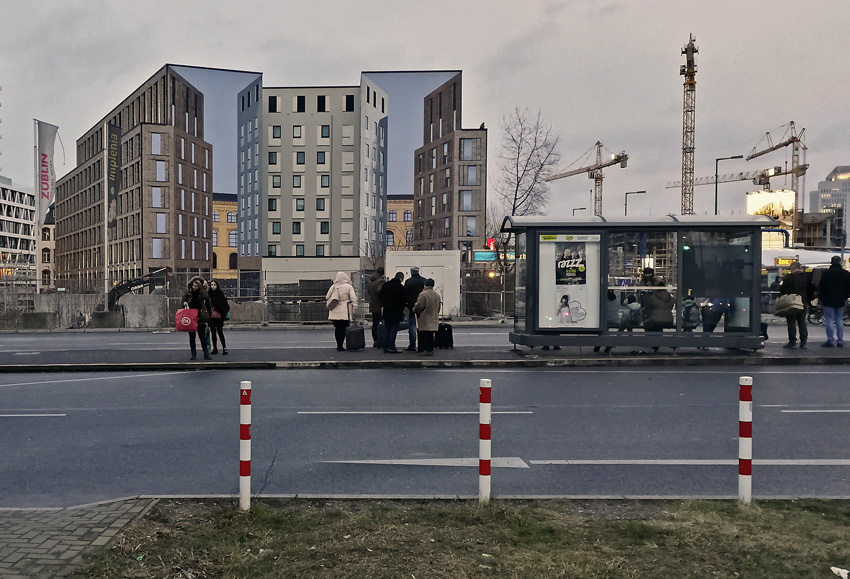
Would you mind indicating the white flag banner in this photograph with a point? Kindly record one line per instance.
(45, 171)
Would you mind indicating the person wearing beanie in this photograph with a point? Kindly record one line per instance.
(833, 291)
(412, 288)
(427, 308)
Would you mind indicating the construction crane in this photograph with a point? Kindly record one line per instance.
(595, 172)
(757, 177)
(795, 139)
(689, 71)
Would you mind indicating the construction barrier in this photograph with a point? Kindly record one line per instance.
(484, 450)
(245, 445)
(745, 440)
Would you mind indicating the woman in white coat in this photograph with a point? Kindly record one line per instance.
(341, 302)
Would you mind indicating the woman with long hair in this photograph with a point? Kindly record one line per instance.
(220, 308)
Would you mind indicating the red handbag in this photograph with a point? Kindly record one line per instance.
(186, 320)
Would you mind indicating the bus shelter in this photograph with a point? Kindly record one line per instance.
(671, 281)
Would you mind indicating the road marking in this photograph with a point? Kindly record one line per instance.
(408, 413)
(32, 415)
(815, 411)
(89, 379)
(697, 462)
(504, 462)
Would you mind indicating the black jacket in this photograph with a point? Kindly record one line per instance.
(218, 302)
(412, 288)
(799, 283)
(834, 287)
(393, 299)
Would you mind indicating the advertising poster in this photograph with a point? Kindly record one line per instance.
(568, 281)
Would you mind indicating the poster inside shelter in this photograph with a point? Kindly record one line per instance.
(568, 281)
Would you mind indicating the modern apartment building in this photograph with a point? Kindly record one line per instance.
(450, 176)
(140, 196)
(17, 234)
(833, 196)
(312, 172)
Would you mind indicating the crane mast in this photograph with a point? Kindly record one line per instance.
(689, 71)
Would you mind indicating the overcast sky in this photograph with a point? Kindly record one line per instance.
(598, 70)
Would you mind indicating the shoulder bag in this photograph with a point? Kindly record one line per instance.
(788, 305)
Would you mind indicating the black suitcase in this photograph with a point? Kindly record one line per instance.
(355, 338)
(382, 335)
(444, 337)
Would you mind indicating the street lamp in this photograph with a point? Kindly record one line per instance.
(716, 163)
(626, 205)
(579, 209)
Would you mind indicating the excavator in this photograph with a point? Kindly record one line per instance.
(131, 285)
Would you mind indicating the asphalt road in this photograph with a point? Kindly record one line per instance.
(77, 438)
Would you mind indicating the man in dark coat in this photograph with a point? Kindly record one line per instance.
(373, 289)
(798, 282)
(393, 300)
(412, 288)
(833, 291)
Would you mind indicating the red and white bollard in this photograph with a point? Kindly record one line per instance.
(484, 451)
(245, 445)
(745, 440)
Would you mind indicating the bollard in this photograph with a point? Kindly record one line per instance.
(745, 440)
(245, 445)
(484, 456)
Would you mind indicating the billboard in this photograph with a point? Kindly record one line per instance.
(567, 300)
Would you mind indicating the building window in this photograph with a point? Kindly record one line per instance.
(464, 201)
(272, 104)
(300, 104)
(320, 204)
(445, 204)
(272, 157)
(156, 248)
(296, 181)
(325, 227)
(408, 237)
(296, 131)
(392, 216)
(299, 250)
(299, 204)
(215, 238)
(45, 255)
(320, 157)
(276, 132)
(321, 107)
(272, 253)
(296, 228)
(45, 234)
(445, 153)
(447, 227)
(472, 174)
(300, 157)
(215, 216)
(160, 171)
(272, 204)
(232, 238)
(156, 196)
(160, 223)
(276, 181)
(326, 181)
(408, 216)
(326, 131)
(231, 217)
(349, 103)
(448, 178)
(390, 238)
(156, 144)
(231, 261)
(320, 251)
(467, 225)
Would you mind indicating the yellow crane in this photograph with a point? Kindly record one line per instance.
(595, 172)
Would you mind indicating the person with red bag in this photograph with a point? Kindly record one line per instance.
(220, 308)
(197, 297)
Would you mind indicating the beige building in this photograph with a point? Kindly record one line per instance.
(224, 236)
(450, 176)
(140, 196)
(399, 223)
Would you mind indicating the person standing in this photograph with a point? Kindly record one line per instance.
(197, 297)
(220, 308)
(373, 290)
(833, 291)
(341, 302)
(412, 288)
(427, 307)
(393, 301)
(798, 282)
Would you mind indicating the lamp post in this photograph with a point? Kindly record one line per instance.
(626, 205)
(578, 209)
(716, 164)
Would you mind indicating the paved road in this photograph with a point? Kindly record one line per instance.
(78, 438)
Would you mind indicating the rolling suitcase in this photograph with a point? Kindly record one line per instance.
(382, 335)
(444, 337)
(355, 337)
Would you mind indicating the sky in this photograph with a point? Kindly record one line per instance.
(598, 70)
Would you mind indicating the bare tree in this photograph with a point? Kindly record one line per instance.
(529, 155)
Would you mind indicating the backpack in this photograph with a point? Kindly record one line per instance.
(691, 316)
(635, 317)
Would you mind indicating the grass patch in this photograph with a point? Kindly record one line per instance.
(460, 539)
